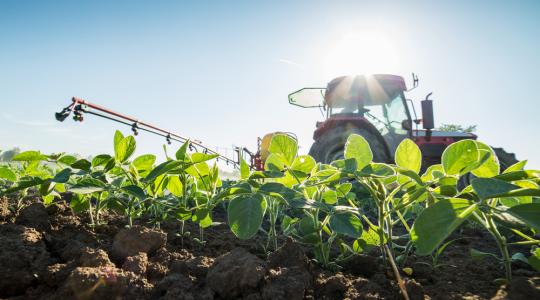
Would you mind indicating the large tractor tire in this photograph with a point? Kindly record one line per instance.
(505, 159)
(331, 144)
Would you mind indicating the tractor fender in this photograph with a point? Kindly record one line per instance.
(347, 122)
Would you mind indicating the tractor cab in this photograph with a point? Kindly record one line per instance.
(373, 103)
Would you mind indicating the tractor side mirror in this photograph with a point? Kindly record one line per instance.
(406, 124)
(428, 120)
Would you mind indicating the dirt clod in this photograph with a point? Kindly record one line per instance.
(287, 283)
(34, 215)
(288, 275)
(95, 258)
(136, 264)
(414, 289)
(131, 241)
(235, 273)
(23, 257)
(289, 255)
(362, 265)
(520, 288)
(103, 283)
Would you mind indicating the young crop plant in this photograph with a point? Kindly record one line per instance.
(41, 175)
(493, 200)
(289, 193)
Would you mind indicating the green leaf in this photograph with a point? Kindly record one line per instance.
(135, 191)
(24, 183)
(408, 156)
(330, 197)
(87, 185)
(460, 157)
(448, 186)
(82, 164)
(67, 159)
(118, 137)
(6, 173)
(144, 162)
(101, 160)
(124, 149)
(534, 259)
(346, 224)
(528, 213)
(519, 166)
(202, 157)
(175, 186)
(303, 164)
(79, 203)
(438, 221)
(383, 170)
(274, 163)
(368, 240)
(480, 255)
(284, 146)
(181, 154)
(346, 165)
(433, 172)
(202, 217)
(161, 169)
(245, 214)
(62, 176)
(358, 148)
(491, 166)
(487, 188)
(244, 169)
(29, 156)
(343, 189)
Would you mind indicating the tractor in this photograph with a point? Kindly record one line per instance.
(375, 107)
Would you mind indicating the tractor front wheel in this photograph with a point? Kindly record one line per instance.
(331, 145)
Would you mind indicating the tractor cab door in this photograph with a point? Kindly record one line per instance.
(391, 119)
(308, 97)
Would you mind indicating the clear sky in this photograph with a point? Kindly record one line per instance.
(221, 71)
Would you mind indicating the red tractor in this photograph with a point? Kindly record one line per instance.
(375, 107)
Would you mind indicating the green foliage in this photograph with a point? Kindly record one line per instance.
(438, 221)
(357, 148)
(245, 214)
(408, 156)
(338, 210)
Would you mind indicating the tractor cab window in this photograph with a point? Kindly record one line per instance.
(388, 118)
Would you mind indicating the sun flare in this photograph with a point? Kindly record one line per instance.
(361, 53)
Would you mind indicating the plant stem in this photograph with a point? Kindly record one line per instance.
(400, 281)
(380, 219)
(182, 223)
(503, 248)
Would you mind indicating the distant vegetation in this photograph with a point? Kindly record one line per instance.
(457, 128)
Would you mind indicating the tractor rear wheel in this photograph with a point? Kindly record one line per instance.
(331, 145)
(505, 159)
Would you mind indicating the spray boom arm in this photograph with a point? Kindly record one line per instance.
(79, 107)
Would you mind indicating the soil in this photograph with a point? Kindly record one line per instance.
(52, 253)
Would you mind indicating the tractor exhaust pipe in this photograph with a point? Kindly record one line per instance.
(428, 120)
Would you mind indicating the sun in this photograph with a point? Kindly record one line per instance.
(361, 53)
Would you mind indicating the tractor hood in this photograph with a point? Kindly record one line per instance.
(456, 135)
(366, 90)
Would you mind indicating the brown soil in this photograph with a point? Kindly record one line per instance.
(51, 253)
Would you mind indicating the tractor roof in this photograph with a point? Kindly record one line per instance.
(367, 90)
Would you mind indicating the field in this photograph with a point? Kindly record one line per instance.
(118, 226)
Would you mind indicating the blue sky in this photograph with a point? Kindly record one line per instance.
(221, 71)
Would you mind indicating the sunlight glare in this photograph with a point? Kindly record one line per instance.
(361, 53)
